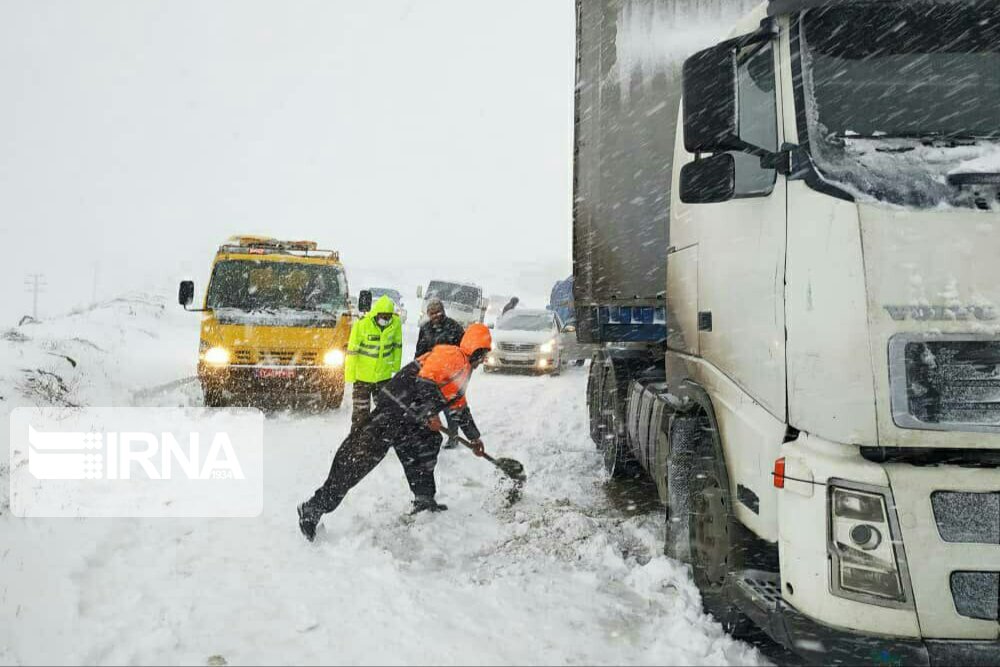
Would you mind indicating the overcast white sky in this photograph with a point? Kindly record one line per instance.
(140, 133)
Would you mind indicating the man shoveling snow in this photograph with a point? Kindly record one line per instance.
(406, 419)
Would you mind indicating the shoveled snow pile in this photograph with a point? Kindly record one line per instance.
(564, 576)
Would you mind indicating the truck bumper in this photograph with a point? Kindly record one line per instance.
(758, 595)
(265, 380)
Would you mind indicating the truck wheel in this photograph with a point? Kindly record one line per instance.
(213, 398)
(612, 428)
(595, 381)
(718, 542)
(333, 398)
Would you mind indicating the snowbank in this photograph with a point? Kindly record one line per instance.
(565, 576)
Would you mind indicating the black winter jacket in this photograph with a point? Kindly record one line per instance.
(445, 332)
(410, 398)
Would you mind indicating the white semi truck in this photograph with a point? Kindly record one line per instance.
(786, 239)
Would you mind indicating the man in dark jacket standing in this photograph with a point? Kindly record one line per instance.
(439, 329)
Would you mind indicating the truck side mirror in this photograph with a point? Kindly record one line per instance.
(710, 88)
(710, 180)
(364, 300)
(185, 293)
(420, 291)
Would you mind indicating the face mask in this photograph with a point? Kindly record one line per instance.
(383, 321)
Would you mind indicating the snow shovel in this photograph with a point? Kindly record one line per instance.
(510, 467)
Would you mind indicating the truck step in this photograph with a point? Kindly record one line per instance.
(762, 589)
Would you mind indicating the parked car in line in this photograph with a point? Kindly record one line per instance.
(463, 302)
(395, 295)
(494, 306)
(527, 339)
(561, 303)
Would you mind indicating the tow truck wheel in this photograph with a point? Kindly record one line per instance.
(718, 541)
(213, 398)
(333, 398)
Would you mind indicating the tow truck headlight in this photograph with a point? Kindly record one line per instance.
(217, 356)
(866, 564)
(333, 358)
(548, 348)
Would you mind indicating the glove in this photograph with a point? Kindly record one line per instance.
(434, 424)
(478, 448)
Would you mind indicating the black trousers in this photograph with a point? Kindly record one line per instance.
(416, 446)
(364, 397)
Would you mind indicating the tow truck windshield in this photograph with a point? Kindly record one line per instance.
(272, 286)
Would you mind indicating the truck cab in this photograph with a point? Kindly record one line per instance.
(821, 413)
(276, 320)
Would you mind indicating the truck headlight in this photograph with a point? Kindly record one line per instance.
(866, 564)
(548, 348)
(333, 358)
(217, 356)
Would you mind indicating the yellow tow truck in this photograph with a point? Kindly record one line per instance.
(277, 317)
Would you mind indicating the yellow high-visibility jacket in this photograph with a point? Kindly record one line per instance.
(374, 354)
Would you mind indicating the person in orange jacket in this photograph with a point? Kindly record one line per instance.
(406, 419)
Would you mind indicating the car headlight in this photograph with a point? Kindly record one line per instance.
(333, 358)
(217, 356)
(548, 348)
(866, 565)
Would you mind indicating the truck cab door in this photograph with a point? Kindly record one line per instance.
(741, 247)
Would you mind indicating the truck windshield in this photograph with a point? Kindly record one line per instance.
(267, 286)
(912, 93)
(464, 294)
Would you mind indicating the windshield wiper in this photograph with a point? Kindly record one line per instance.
(931, 138)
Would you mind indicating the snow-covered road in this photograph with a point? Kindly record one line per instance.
(565, 576)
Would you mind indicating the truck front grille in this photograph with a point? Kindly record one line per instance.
(967, 517)
(250, 356)
(275, 357)
(976, 594)
(946, 383)
(518, 347)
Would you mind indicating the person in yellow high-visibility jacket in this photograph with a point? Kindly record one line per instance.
(374, 354)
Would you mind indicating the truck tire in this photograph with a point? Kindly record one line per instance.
(213, 397)
(332, 398)
(717, 543)
(595, 383)
(614, 436)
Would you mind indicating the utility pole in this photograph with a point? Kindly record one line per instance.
(34, 283)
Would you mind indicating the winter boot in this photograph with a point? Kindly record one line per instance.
(422, 503)
(308, 520)
(451, 443)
